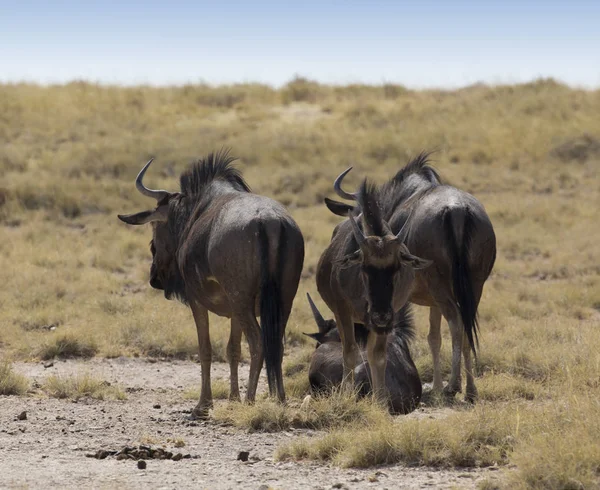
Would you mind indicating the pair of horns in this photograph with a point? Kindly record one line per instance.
(159, 195)
(359, 235)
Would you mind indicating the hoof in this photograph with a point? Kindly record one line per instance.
(471, 397)
(200, 412)
(449, 393)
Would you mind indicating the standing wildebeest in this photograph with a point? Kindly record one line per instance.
(364, 276)
(401, 376)
(218, 247)
(450, 228)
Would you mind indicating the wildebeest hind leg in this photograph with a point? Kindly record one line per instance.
(435, 344)
(251, 329)
(471, 393)
(234, 354)
(205, 350)
(456, 333)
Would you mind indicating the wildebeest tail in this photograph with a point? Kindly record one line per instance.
(271, 309)
(462, 281)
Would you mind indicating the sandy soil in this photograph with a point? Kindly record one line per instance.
(48, 448)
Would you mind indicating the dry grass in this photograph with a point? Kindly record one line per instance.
(12, 383)
(75, 278)
(325, 413)
(81, 386)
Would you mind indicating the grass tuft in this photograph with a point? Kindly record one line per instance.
(67, 346)
(81, 386)
(322, 413)
(12, 383)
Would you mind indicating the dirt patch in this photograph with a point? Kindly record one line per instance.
(49, 447)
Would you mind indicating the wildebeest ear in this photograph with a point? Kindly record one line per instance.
(158, 214)
(339, 208)
(414, 261)
(350, 259)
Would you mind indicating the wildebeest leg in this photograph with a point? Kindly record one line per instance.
(251, 329)
(201, 318)
(234, 354)
(435, 344)
(345, 328)
(456, 333)
(377, 356)
(471, 394)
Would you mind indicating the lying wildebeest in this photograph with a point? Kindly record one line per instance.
(218, 247)
(450, 228)
(401, 377)
(364, 276)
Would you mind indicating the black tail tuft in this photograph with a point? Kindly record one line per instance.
(271, 312)
(461, 276)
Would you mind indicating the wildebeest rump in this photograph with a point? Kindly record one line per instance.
(364, 276)
(218, 247)
(401, 376)
(450, 228)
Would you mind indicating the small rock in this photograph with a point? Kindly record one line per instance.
(22, 416)
(264, 487)
(243, 456)
(177, 457)
(141, 464)
(156, 406)
(338, 485)
(122, 456)
(48, 364)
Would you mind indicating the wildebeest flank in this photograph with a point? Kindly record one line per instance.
(218, 247)
(450, 228)
(401, 376)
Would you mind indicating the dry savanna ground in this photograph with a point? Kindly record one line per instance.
(74, 278)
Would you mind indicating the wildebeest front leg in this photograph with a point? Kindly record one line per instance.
(435, 344)
(377, 356)
(205, 350)
(345, 328)
(234, 354)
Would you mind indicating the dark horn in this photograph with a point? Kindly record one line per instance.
(337, 186)
(321, 322)
(158, 195)
(358, 233)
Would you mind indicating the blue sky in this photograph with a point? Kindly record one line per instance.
(416, 43)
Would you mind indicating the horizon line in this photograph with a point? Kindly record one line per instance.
(300, 78)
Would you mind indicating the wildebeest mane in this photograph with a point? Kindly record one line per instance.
(214, 167)
(400, 187)
(368, 198)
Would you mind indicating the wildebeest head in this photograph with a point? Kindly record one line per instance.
(382, 256)
(163, 271)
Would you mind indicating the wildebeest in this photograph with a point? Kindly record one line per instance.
(401, 376)
(218, 247)
(449, 227)
(364, 276)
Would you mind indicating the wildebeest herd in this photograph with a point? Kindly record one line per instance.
(219, 247)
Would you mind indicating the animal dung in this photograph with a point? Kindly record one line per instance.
(140, 453)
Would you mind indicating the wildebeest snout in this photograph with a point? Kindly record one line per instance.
(381, 319)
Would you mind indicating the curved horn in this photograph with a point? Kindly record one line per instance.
(317, 314)
(158, 195)
(337, 186)
(358, 233)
